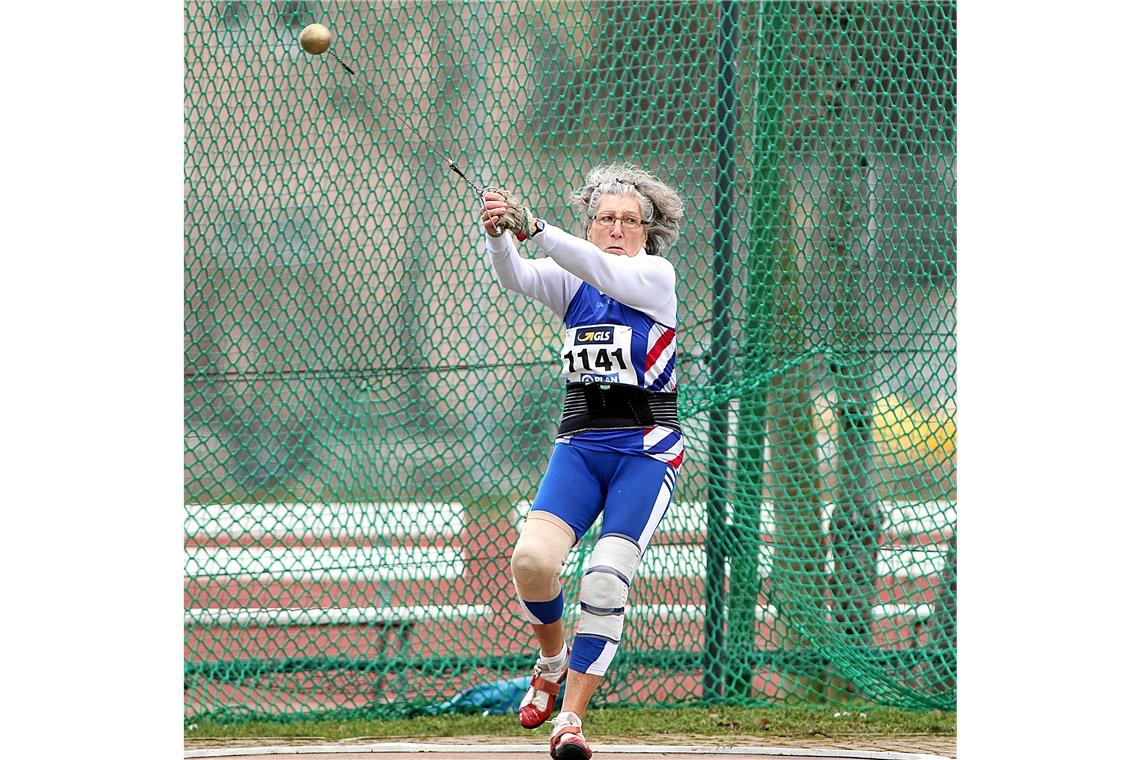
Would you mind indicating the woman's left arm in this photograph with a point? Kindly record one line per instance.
(645, 283)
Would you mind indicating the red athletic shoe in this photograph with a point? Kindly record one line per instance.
(542, 683)
(567, 741)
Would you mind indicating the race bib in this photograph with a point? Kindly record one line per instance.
(598, 354)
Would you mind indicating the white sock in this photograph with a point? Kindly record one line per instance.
(571, 718)
(555, 661)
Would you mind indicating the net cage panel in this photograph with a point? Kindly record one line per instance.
(368, 412)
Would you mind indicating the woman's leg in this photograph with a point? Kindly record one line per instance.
(638, 493)
(580, 687)
(638, 496)
(567, 503)
(539, 555)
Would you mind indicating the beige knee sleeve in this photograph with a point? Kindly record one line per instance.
(543, 545)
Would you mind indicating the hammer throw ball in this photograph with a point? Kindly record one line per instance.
(316, 38)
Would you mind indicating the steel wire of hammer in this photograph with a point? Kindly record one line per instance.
(408, 125)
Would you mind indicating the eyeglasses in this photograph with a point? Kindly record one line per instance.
(627, 222)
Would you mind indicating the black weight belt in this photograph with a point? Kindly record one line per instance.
(601, 406)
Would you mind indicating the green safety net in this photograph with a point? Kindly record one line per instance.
(368, 413)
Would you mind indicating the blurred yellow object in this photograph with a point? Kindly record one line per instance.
(910, 434)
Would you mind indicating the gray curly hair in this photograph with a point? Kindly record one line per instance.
(661, 205)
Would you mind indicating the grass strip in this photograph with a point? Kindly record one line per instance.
(606, 723)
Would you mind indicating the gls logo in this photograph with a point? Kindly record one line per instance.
(592, 335)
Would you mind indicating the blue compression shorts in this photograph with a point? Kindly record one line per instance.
(631, 492)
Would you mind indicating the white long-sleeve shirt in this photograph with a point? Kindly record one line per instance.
(643, 282)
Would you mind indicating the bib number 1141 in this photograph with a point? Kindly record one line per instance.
(600, 359)
(599, 354)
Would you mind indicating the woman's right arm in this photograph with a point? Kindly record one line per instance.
(538, 278)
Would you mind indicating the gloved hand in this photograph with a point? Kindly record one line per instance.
(516, 217)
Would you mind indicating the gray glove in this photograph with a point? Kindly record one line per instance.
(517, 218)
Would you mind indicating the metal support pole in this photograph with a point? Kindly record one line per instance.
(720, 349)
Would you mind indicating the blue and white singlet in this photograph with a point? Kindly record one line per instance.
(619, 316)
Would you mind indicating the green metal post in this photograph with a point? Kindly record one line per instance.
(720, 351)
(764, 224)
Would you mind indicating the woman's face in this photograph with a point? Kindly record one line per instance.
(618, 238)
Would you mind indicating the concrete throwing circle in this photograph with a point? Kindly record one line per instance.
(411, 751)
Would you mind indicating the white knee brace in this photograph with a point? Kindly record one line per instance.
(605, 586)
